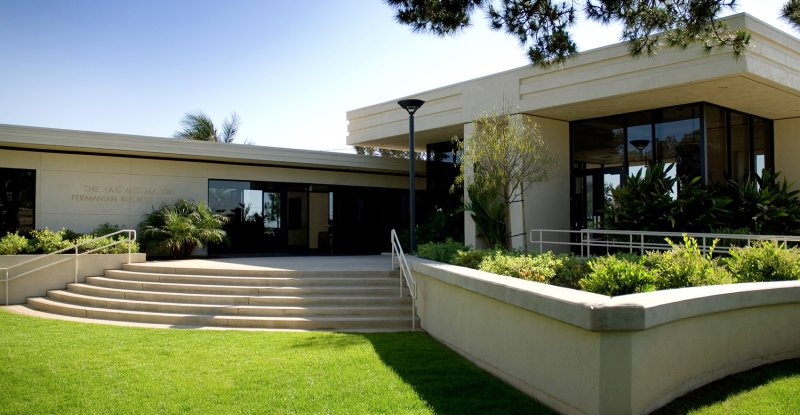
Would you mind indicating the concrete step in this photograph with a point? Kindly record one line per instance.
(242, 289)
(290, 280)
(320, 300)
(310, 322)
(227, 309)
(261, 272)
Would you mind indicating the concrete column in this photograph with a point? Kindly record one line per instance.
(470, 232)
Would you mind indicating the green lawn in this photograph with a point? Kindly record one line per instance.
(770, 389)
(58, 367)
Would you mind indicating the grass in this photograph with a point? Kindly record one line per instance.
(769, 389)
(49, 366)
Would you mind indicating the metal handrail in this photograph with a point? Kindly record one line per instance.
(636, 240)
(405, 272)
(131, 239)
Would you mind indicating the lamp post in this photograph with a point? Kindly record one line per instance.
(411, 105)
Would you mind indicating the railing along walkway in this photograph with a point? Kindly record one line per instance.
(591, 240)
(405, 271)
(75, 250)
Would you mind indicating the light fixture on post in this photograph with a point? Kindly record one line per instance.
(411, 105)
(640, 145)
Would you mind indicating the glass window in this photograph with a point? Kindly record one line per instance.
(678, 136)
(640, 141)
(716, 143)
(740, 145)
(17, 200)
(599, 143)
(762, 148)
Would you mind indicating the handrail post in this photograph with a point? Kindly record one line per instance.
(541, 242)
(130, 242)
(6, 285)
(76, 264)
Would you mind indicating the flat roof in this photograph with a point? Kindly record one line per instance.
(16, 137)
(764, 81)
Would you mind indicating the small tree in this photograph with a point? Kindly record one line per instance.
(508, 155)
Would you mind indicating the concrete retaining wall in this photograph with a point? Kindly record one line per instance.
(583, 353)
(55, 277)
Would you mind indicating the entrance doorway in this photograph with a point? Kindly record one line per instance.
(592, 195)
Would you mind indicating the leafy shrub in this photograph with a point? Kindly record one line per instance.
(47, 241)
(685, 266)
(471, 258)
(645, 202)
(13, 244)
(764, 261)
(614, 275)
(766, 204)
(120, 248)
(106, 229)
(440, 251)
(539, 268)
(570, 271)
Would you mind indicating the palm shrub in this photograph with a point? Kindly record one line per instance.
(645, 201)
(176, 230)
(488, 210)
(685, 265)
(765, 205)
(764, 261)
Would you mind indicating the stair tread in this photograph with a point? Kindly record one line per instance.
(45, 300)
(250, 306)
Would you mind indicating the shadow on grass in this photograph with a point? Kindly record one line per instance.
(447, 382)
(721, 390)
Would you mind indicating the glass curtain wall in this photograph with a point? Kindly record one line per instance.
(694, 140)
(279, 218)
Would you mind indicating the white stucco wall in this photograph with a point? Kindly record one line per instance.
(584, 353)
(80, 192)
(787, 148)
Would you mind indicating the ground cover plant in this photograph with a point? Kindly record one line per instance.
(685, 265)
(45, 241)
(50, 366)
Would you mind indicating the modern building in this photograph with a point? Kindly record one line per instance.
(605, 114)
(279, 200)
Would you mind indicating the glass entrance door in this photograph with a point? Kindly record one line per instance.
(592, 196)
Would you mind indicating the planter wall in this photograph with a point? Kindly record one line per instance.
(585, 353)
(55, 277)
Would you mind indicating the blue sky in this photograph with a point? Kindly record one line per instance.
(290, 69)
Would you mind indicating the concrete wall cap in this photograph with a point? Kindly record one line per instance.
(601, 313)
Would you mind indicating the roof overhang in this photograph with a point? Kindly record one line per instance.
(765, 81)
(108, 144)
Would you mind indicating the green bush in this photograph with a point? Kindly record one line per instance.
(572, 268)
(440, 251)
(106, 229)
(685, 266)
(614, 275)
(472, 258)
(539, 268)
(13, 244)
(764, 261)
(175, 230)
(120, 248)
(47, 241)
